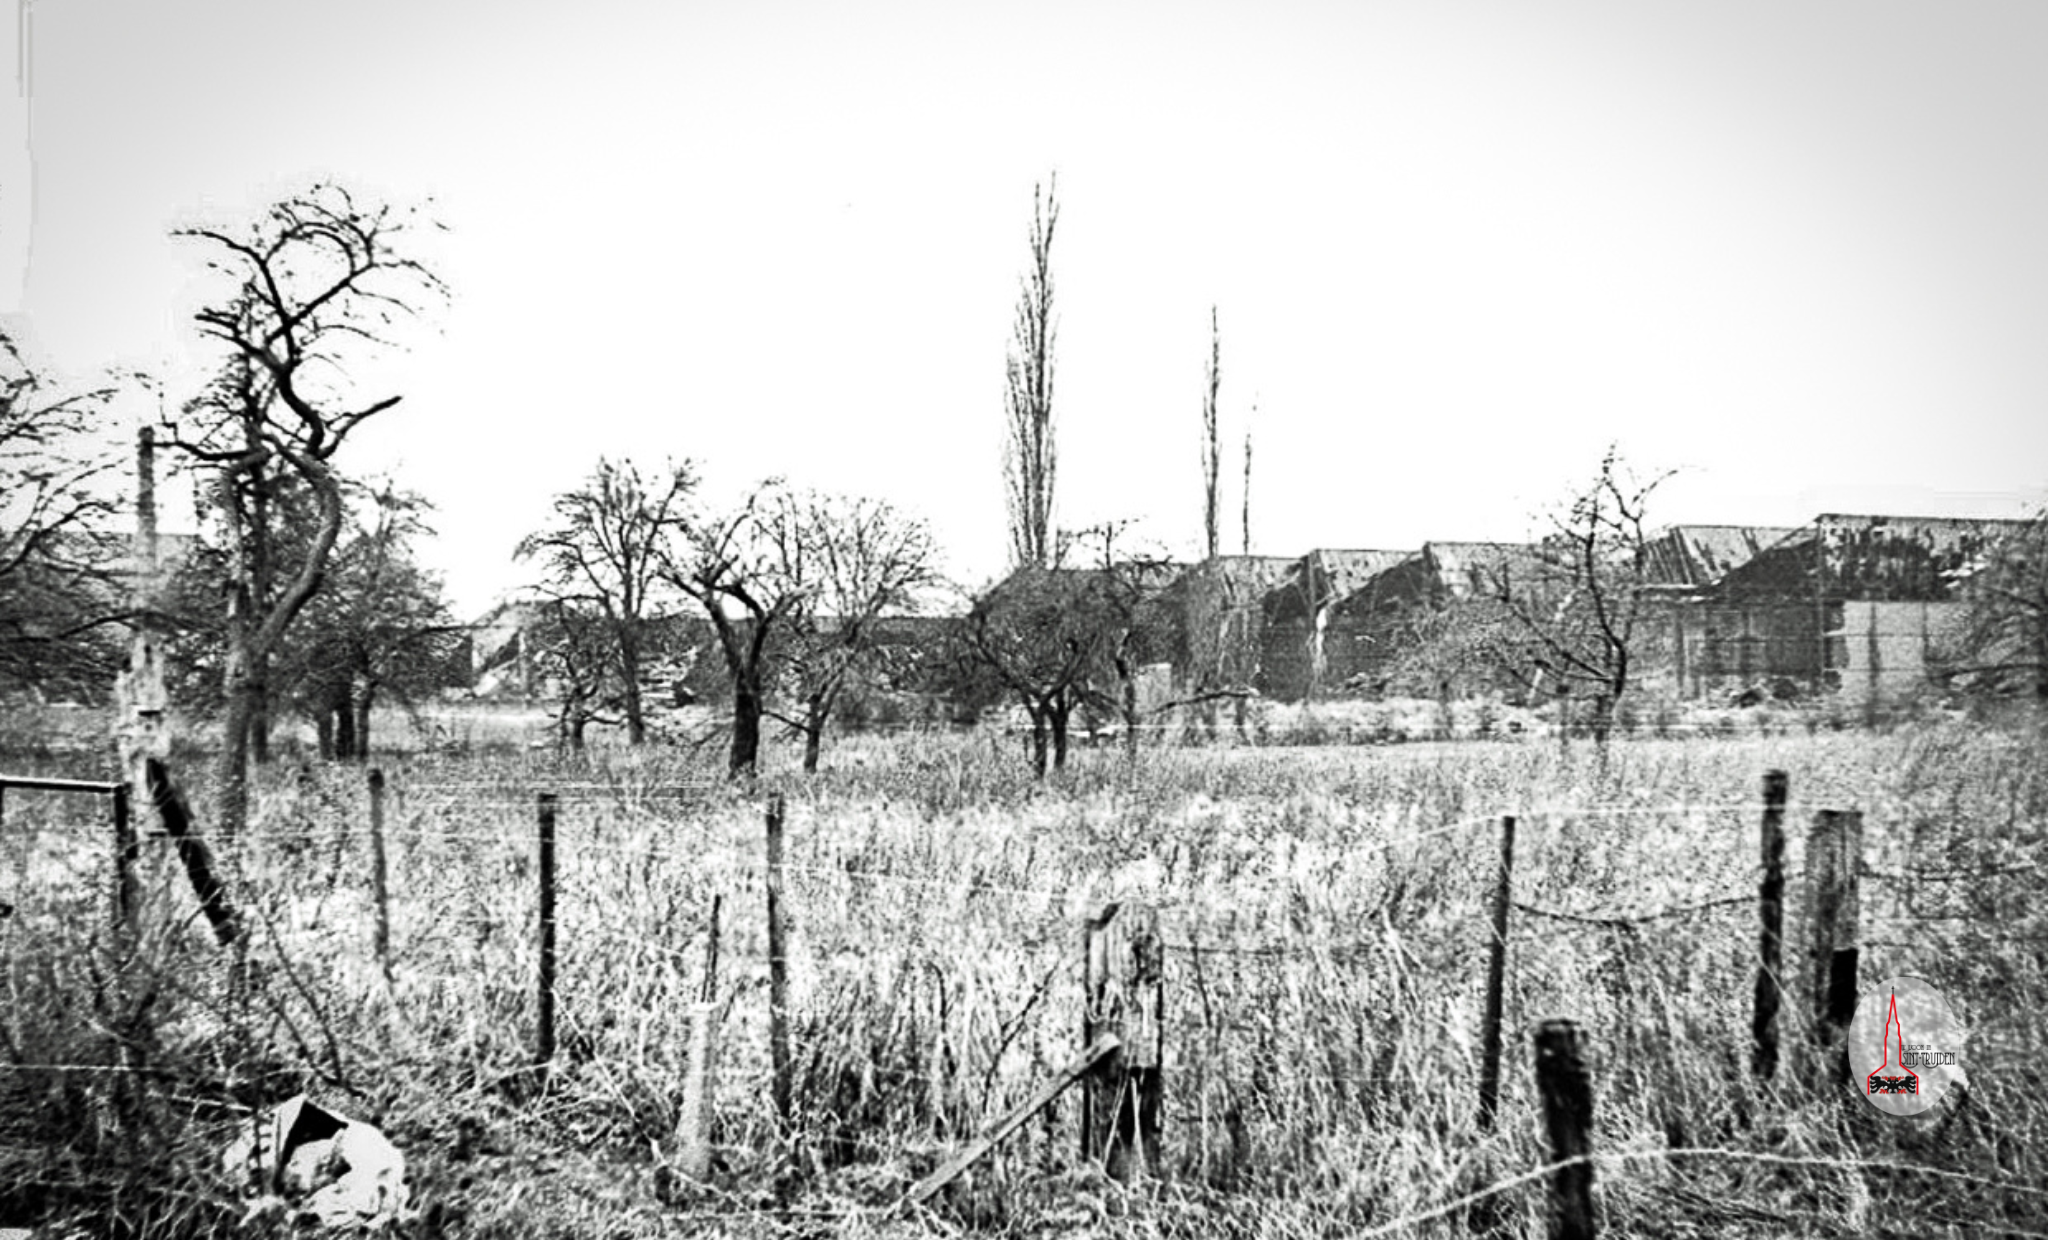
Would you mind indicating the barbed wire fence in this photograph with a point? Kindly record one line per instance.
(1290, 958)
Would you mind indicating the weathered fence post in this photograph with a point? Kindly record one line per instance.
(1834, 849)
(1770, 950)
(176, 814)
(778, 969)
(544, 1034)
(1567, 1095)
(1125, 1000)
(380, 874)
(1496, 969)
(126, 851)
(693, 1124)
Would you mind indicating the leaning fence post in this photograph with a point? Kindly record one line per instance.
(1834, 849)
(176, 814)
(1496, 968)
(544, 1034)
(380, 874)
(1567, 1095)
(126, 850)
(1770, 950)
(778, 969)
(1124, 999)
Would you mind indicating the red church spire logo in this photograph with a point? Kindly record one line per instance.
(1905, 1080)
(1906, 1046)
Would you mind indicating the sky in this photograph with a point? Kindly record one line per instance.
(1793, 252)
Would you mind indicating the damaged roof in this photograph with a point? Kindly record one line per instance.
(1326, 576)
(1700, 555)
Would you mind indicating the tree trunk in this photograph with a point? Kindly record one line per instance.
(1060, 714)
(259, 726)
(363, 723)
(342, 705)
(814, 732)
(323, 728)
(1130, 718)
(746, 727)
(629, 668)
(232, 776)
(576, 725)
(1038, 730)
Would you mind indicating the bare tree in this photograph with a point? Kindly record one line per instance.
(1039, 634)
(572, 648)
(317, 281)
(1212, 458)
(1030, 461)
(850, 562)
(57, 598)
(1125, 598)
(2003, 645)
(608, 547)
(732, 562)
(1581, 610)
(1245, 547)
(379, 630)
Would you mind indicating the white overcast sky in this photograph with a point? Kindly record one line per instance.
(1797, 251)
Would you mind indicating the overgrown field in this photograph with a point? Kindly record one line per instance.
(1325, 918)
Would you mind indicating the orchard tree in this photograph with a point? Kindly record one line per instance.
(2003, 645)
(378, 630)
(730, 564)
(608, 549)
(571, 647)
(58, 596)
(313, 288)
(849, 563)
(1125, 599)
(1580, 613)
(1041, 633)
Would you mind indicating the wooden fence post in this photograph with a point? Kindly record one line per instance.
(380, 875)
(1496, 969)
(1770, 951)
(1834, 849)
(778, 970)
(1125, 1000)
(1567, 1095)
(544, 1034)
(176, 815)
(126, 851)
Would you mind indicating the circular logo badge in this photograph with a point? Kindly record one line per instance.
(1905, 1045)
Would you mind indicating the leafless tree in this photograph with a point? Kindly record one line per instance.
(1580, 611)
(731, 562)
(57, 598)
(850, 562)
(608, 548)
(1040, 635)
(1212, 458)
(1245, 547)
(2003, 645)
(379, 630)
(316, 284)
(1124, 597)
(1030, 460)
(573, 648)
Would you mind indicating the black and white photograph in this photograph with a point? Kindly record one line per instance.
(1410, 619)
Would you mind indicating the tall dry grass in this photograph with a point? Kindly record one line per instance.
(1324, 913)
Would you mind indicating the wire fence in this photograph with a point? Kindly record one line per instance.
(640, 869)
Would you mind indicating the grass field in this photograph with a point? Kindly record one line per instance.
(1324, 916)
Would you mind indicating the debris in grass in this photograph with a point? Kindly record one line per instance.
(317, 1164)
